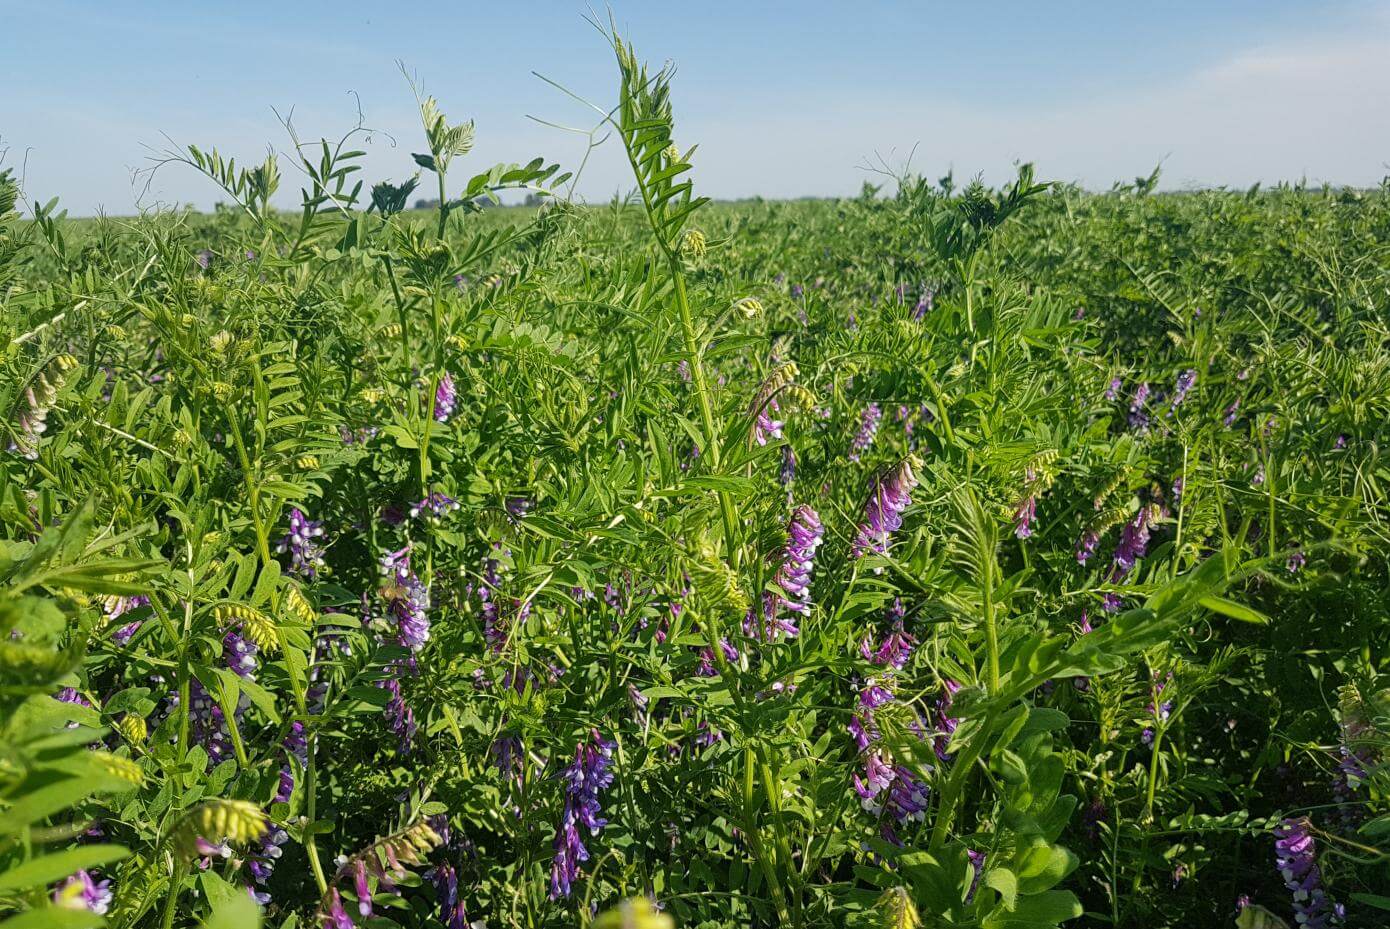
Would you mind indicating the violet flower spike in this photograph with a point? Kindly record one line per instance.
(445, 398)
(1295, 854)
(869, 421)
(889, 495)
(587, 776)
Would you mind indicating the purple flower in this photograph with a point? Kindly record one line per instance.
(1295, 854)
(240, 653)
(452, 912)
(1086, 546)
(1113, 390)
(261, 862)
(407, 600)
(1296, 561)
(892, 793)
(804, 534)
(787, 474)
(945, 722)
(1229, 419)
(336, 917)
(80, 892)
(434, 506)
(889, 495)
(1134, 542)
(116, 607)
(517, 508)
(869, 420)
(924, 303)
(765, 427)
(1181, 389)
(203, 258)
(894, 651)
(445, 398)
(586, 777)
(1138, 413)
(977, 865)
(306, 555)
(399, 716)
(296, 744)
(1340, 444)
(1024, 514)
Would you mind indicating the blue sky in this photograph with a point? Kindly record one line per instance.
(785, 98)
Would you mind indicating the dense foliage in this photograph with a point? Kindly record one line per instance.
(944, 556)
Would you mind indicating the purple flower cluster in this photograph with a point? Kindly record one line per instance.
(501, 613)
(924, 303)
(890, 494)
(894, 651)
(445, 398)
(1112, 390)
(452, 913)
(407, 600)
(587, 776)
(296, 745)
(804, 535)
(869, 420)
(208, 724)
(1158, 709)
(240, 653)
(116, 607)
(1086, 546)
(1295, 854)
(1138, 409)
(399, 716)
(1134, 542)
(306, 554)
(1027, 509)
(434, 506)
(787, 474)
(261, 862)
(1181, 389)
(889, 791)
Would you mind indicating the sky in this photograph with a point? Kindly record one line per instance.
(785, 99)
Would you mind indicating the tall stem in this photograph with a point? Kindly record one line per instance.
(702, 394)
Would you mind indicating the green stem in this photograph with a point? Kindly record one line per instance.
(171, 902)
(311, 840)
(702, 394)
(991, 632)
(1153, 777)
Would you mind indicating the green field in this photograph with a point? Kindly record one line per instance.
(945, 555)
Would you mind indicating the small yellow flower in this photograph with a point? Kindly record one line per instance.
(119, 767)
(221, 341)
(637, 913)
(218, 821)
(694, 244)
(749, 307)
(134, 729)
(298, 606)
(257, 626)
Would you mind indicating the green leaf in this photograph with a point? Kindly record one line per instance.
(1003, 881)
(40, 871)
(1235, 610)
(54, 917)
(237, 911)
